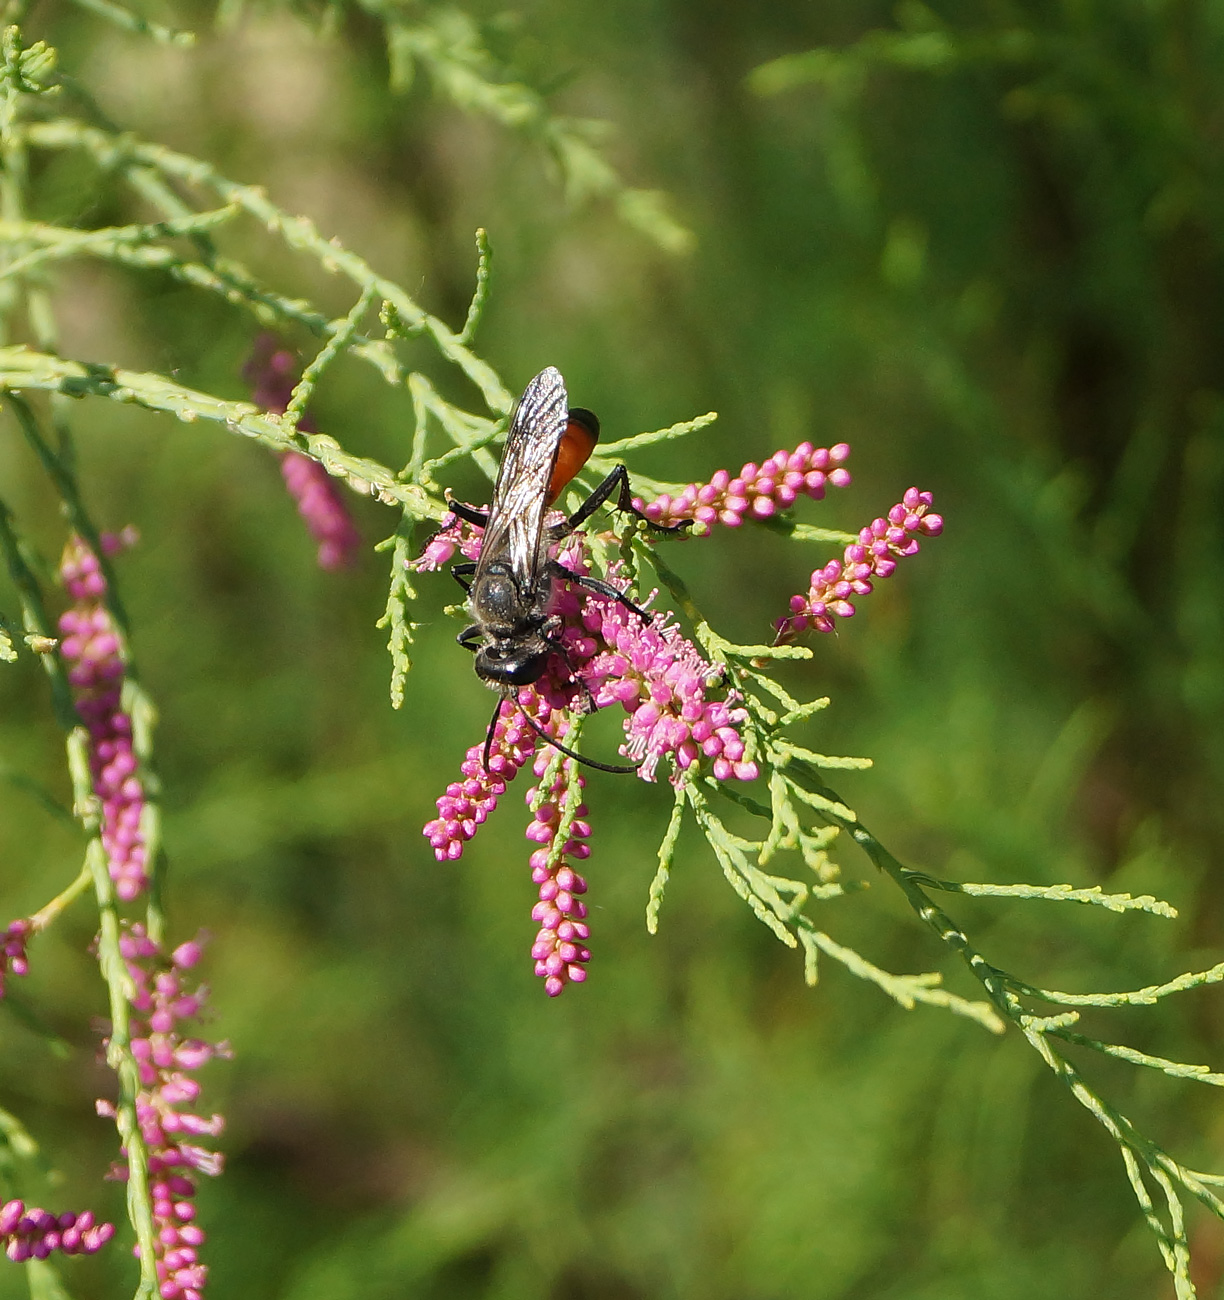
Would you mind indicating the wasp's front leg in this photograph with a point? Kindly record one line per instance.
(463, 572)
(469, 514)
(471, 638)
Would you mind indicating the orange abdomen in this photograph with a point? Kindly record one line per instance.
(577, 442)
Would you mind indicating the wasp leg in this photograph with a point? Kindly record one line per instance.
(462, 572)
(617, 481)
(598, 586)
(460, 511)
(468, 636)
(491, 730)
(570, 753)
(469, 514)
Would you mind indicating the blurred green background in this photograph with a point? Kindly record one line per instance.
(979, 242)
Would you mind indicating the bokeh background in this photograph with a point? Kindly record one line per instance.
(979, 242)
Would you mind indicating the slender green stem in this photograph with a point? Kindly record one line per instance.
(484, 259)
(119, 1057)
(49, 911)
(298, 232)
(338, 339)
(22, 369)
(36, 620)
(74, 507)
(133, 22)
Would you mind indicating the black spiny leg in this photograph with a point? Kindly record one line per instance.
(463, 572)
(468, 638)
(598, 586)
(469, 514)
(617, 481)
(492, 727)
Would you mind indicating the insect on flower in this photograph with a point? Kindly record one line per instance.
(511, 586)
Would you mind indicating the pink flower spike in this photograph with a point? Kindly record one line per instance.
(758, 491)
(272, 372)
(94, 658)
(874, 555)
(555, 951)
(465, 806)
(165, 1105)
(33, 1233)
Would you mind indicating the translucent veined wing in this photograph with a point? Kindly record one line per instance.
(515, 529)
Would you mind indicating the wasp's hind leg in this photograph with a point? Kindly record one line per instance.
(469, 515)
(618, 482)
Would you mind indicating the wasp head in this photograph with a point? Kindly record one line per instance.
(514, 661)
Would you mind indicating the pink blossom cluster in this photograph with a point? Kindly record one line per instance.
(607, 655)
(757, 491)
(880, 545)
(321, 507)
(455, 535)
(31, 1233)
(13, 960)
(93, 651)
(467, 803)
(272, 372)
(165, 1104)
(560, 950)
(660, 679)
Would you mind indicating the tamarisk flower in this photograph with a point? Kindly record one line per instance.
(93, 651)
(467, 803)
(560, 950)
(757, 491)
(165, 1112)
(31, 1233)
(455, 535)
(606, 654)
(272, 372)
(880, 545)
(660, 678)
(13, 960)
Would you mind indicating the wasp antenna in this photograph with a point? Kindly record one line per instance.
(573, 753)
(488, 749)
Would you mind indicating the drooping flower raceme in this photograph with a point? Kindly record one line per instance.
(661, 680)
(560, 950)
(93, 652)
(606, 655)
(880, 545)
(467, 803)
(272, 372)
(30, 1233)
(166, 1104)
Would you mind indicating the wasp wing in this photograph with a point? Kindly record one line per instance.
(515, 531)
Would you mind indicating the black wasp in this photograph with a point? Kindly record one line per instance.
(510, 587)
